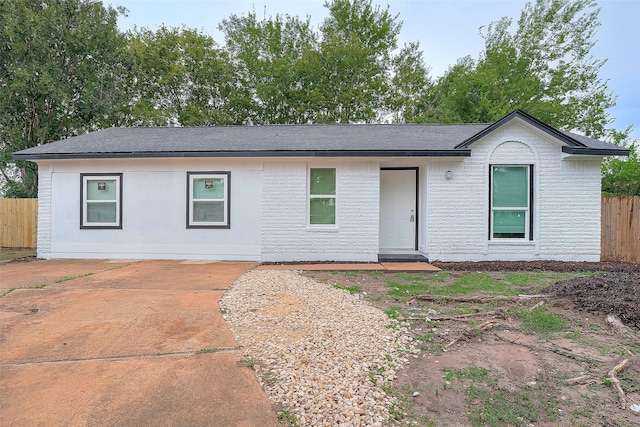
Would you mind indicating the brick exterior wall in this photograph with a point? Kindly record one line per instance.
(286, 233)
(44, 211)
(566, 203)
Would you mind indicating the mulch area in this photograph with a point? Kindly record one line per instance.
(609, 293)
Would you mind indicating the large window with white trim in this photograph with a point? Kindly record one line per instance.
(510, 216)
(322, 196)
(101, 205)
(208, 199)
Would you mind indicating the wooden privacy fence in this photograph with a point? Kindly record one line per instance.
(18, 223)
(620, 228)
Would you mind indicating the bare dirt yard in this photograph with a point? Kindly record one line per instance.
(513, 343)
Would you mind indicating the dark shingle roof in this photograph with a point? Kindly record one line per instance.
(275, 141)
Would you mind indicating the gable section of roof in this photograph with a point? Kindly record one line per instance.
(565, 137)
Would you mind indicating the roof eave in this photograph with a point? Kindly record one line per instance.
(596, 151)
(245, 154)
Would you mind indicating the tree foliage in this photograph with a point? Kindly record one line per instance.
(544, 67)
(341, 74)
(60, 74)
(268, 53)
(350, 73)
(181, 77)
(621, 176)
(66, 69)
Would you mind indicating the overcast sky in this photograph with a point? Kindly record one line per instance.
(446, 29)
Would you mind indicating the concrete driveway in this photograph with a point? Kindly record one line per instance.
(96, 343)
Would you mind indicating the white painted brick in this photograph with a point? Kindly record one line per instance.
(566, 201)
(286, 235)
(44, 211)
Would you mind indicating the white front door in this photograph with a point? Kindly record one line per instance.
(398, 209)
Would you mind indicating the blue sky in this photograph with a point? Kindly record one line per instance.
(446, 29)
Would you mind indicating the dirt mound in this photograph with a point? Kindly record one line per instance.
(608, 293)
(560, 266)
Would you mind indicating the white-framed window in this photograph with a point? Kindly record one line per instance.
(511, 216)
(322, 196)
(101, 205)
(208, 199)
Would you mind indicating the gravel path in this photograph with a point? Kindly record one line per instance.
(321, 354)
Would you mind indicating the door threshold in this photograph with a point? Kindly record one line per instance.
(413, 256)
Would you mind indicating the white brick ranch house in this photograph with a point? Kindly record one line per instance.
(516, 189)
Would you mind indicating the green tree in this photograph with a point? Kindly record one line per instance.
(545, 67)
(411, 86)
(621, 175)
(344, 73)
(267, 53)
(182, 78)
(348, 78)
(61, 65)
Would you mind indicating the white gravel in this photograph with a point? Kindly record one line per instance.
(320, 353)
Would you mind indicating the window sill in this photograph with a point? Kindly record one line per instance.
(322, 228)
(218, 227)
(101, 227)
(511, 242)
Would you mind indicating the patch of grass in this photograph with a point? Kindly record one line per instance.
(7, 292)
(497, 406)
(461, 309)
(8, 254)
(629, 381)
(393, 312)
(286, 416)
(428, 342)
(472, 283)
(375, 273)
(573, 335)
(67, 278)
(538, 280)
(403, 410)
(472, 373)
(409, 277)
(268, 380)
(248, 362)
(403, 291)
(489, 404)
(351, 289)
(439, 277)
(44, 285)
(405, 285)
(208, 350)
(389, 390)
(540, 322)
